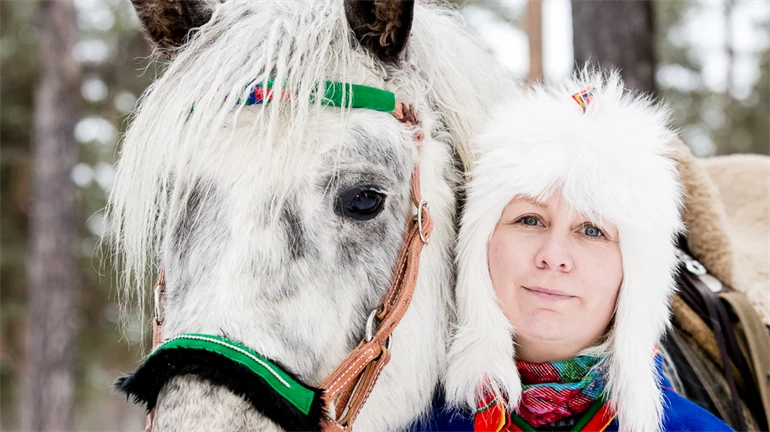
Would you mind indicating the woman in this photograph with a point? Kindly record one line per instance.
(566, 260)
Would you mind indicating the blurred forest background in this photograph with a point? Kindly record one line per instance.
(708, 59)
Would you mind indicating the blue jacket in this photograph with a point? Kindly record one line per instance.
(679, 415)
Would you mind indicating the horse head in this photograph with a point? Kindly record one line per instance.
(278, 220)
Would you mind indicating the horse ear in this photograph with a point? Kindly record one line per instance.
(168, 23)
(381, 26)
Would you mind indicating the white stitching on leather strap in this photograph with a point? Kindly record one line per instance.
(358, 369)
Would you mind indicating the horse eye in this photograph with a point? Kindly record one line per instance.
(361, 204)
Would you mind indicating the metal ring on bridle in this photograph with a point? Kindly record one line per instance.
(422, 205)
(370, 329)
(157, 298)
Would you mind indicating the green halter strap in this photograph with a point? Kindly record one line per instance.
(273, 391)
(281, 382)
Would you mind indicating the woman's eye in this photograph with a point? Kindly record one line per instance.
(361, 204)
(529, 220)
(592, 231)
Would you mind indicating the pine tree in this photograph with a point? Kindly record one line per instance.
(48, 401)
(617, 34)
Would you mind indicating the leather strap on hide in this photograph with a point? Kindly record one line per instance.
(716, 321)
(700, 297)
(758, 343)
(348, 387)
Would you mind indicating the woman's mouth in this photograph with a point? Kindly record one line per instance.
(548, 294)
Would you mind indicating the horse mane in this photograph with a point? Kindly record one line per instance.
(184, 125)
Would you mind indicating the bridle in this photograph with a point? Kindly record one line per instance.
(346, 389)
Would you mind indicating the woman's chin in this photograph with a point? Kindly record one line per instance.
(547, 325)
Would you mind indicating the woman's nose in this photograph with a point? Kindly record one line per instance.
(554, 253)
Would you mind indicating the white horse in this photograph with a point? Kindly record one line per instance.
(278, 224)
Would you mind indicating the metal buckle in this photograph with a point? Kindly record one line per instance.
(158, 308)
(370, 329)
(422, 205)
(691, 264)
(695, 267)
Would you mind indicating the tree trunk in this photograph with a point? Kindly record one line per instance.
(728, 143)
(49, 378)
(617, 34)
(535, 37)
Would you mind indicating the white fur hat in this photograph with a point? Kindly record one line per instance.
(611, 162)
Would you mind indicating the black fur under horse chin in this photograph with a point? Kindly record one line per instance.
(144, 385)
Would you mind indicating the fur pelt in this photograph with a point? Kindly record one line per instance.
(727, 215)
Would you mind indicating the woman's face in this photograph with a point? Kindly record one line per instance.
(557, 277)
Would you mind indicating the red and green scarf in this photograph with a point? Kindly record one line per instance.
(551, 392)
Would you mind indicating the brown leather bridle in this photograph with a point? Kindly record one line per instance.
(347, 388)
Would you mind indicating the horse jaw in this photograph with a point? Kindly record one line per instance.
(189, 404)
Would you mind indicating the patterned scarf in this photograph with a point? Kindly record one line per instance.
(556, 390)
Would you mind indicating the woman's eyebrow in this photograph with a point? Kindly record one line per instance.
(535, 203)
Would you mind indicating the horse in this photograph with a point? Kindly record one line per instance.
(275, 219)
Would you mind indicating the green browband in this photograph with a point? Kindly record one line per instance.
(336, 94)
(283, 384)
